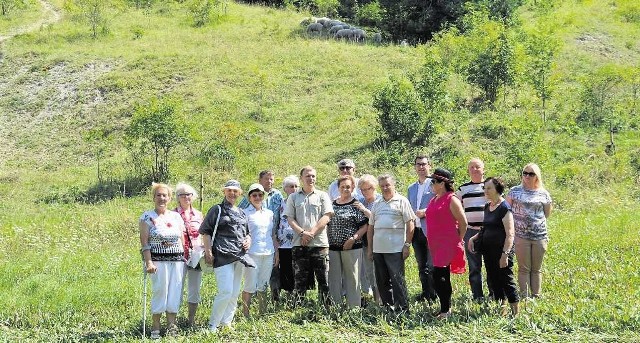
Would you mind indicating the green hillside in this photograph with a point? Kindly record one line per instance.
(256, 92)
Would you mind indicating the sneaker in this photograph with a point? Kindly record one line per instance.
(155, 334)
(213, 329)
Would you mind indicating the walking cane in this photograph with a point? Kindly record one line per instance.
(144, 301)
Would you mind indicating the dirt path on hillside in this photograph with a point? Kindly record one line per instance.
(50, 16)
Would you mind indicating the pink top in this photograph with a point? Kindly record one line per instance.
(192, 221)
(442, 234)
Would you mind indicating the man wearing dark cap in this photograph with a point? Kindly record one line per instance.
(345, 167)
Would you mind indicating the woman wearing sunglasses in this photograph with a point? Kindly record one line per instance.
(446, 227)
(531, 205)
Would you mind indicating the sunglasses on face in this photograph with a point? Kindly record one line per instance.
(185, 194)
(526, 173)
(345, 168)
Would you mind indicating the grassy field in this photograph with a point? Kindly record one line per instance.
(252, 82)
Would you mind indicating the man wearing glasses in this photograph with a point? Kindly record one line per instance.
(419, 194)
(345, 167)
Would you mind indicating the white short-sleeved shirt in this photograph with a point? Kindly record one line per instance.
(261, 230)
(389, 219)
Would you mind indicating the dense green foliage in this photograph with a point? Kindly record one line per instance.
(257, 93)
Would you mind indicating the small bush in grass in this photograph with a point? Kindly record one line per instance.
(200, 11)
(400, 112)
(156, 128)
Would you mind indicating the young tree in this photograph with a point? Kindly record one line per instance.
(157, 127)
(92, 12)
(99, 139)
(493, 68)
(541, 48)
(401, 113)
(599, 97)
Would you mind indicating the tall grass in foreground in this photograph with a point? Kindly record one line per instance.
(73, 273)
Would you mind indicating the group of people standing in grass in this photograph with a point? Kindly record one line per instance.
(351, 242)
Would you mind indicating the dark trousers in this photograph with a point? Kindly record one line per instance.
(282, 274)
(425, 264)
(308, 261)
(474, 260)
(389, 271)
(503, 282)
(442, 279)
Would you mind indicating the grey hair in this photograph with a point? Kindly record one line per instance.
(182, 187)
(389, 177)
(368, 178)
(290, 180)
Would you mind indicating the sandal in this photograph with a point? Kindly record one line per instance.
(155, 334)
(172, 330)
(443, 315)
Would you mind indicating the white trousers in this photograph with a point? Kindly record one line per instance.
(194, 283)
(166, 286)
(257, 279)
(344, 274)
(228, 280)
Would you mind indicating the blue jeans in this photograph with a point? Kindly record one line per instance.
(475, 267)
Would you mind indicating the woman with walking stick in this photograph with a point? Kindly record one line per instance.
(161, 233)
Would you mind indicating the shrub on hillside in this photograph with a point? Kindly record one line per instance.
(401, 113)
(493, 68)
(200, 11)
(371, 14)
(599, 97)
(156, 128)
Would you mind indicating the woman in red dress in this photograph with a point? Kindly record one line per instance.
(446, 226)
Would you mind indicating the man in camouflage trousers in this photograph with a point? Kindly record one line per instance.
(308, 212)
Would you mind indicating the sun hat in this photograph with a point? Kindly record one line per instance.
(232, 184)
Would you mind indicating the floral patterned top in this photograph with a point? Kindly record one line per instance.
(164, 235)
(528, 212)
(284, 233)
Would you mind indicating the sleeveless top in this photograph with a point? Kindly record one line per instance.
(442, 237)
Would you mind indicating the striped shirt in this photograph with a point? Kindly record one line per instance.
(473, 200)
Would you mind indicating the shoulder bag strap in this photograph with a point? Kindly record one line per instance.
(215, 229)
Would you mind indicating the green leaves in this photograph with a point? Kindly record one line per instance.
(157, 127)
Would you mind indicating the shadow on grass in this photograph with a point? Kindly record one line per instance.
(99, 192)
(385, 154)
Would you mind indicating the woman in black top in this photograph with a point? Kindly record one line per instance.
(345, 232)
(495, 242)
(225, 229)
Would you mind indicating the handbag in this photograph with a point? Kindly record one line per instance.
(195, 253)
